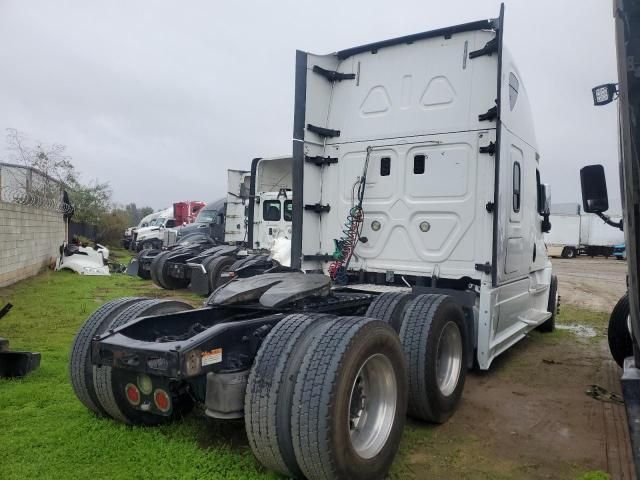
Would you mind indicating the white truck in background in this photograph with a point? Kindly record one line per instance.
(574, 233)
(270, 214)
(128, 233)
(150, 237)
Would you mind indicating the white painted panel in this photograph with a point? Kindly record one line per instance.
(515, 255)
(565, 230)
(238, 184)
(449, 196)
(425, 87)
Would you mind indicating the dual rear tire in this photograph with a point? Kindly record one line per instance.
(215, 267)
(160, 273)
(433, 333)
(102, 389)
(326, 398)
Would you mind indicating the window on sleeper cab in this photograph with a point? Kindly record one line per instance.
(539, 199)
(288, 210)
(271, 210)
(385, 166)
(514, 86)
(517, 183)
(418, 164)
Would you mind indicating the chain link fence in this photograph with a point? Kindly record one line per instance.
(30, 187)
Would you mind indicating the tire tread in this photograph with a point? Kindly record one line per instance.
(80, 367)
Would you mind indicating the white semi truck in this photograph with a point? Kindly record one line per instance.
(202, 254)
(150, 237)
(270, 215)
(144, 222)
(414, 164)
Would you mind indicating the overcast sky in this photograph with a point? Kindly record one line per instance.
(159, 98)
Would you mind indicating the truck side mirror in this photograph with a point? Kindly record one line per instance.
(544, 206)
(594, 189)
(545, 199)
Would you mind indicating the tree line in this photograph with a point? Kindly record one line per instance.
(92, 202)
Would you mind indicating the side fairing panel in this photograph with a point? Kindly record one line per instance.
(519, 239)
(238, 182)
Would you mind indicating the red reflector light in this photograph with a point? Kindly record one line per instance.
(162, 400)
(133, 394)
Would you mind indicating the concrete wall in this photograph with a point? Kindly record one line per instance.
(29, 240)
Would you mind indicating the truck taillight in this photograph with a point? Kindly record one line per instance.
(133, 394)
(162, 400)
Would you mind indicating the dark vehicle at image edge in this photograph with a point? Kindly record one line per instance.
(210, 221)
(624, 324)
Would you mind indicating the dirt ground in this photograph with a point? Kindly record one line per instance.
(591, 283)
(529, 416)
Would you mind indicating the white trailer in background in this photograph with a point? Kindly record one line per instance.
(598, 238)
(574, 233)
(564, 238)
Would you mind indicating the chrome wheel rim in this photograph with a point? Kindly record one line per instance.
(372, 406)
(449, 359)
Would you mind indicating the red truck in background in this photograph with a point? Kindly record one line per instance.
(187, 211)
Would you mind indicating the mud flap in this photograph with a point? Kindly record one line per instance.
(18, 364)
(631, 392)
(199, 280)
(132, 268)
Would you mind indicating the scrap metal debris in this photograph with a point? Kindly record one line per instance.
(602, 394)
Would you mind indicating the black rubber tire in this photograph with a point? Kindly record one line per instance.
(423, 323)
(390, 308)
(568, 252)
(216, 267)
(321, 400)
(552, 306)
(80, 366)
(111, 398)
(269, 394)
(144, 274)
(155, 269)
(618, 335)
(169, 282)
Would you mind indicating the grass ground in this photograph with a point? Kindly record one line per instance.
(46, 433)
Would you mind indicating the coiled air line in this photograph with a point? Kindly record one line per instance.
(351, 230)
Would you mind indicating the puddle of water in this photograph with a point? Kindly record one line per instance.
(579, 330)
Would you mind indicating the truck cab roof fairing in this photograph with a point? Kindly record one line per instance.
(319, 124)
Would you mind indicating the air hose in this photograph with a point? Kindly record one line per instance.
(351, 230)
